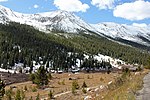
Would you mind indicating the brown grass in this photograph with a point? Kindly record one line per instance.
(127, 90)
(61, 83)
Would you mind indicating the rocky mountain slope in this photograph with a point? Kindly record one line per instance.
(66, 22)
(140, 35)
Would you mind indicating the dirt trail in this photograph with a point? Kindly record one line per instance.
(144, 93)
(67, 92)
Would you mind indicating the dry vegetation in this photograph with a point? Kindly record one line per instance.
(126, 91)
(61, 84)
(61, 87)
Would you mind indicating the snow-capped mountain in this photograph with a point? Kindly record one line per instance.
(66, 22)
(60, 21)
(140, 35)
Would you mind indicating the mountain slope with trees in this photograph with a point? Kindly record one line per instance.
(67, 22)
(23, 44)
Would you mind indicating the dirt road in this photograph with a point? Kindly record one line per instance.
(144, 94)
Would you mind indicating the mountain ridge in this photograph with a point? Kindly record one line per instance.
(59, 20)
(66, 22)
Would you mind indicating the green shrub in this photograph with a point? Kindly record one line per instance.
(84, 90)
(75, 86)
(63, 82)
(34, 89)
(101, 79)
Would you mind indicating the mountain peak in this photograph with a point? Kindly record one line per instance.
(67, 22)
(58, 21)
(54, 13)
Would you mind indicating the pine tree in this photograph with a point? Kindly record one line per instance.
(50, 94)
(31, 67)
(5, 63)
(47, 64)
(84, 85)
(148, 61)
(25, 88)
(40, 77)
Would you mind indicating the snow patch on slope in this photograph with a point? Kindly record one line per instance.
(114, 62)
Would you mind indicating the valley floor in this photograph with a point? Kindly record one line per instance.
(61, 85)
(98, 87)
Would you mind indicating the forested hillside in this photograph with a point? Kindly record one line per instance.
(23, 44)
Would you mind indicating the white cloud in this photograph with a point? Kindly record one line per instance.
(137, 10)
(3, 0)
(36, 6)
(103, 4)
(71, 5)
(140, 25)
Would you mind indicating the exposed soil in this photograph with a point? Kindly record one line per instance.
(10, 78)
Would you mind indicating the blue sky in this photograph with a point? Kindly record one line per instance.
(92, 11)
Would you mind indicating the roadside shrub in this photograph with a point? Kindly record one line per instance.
(18, 95)
(9, 94)
(22, 95)
(126, 74)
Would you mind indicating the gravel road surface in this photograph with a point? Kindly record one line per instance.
(144, 93)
